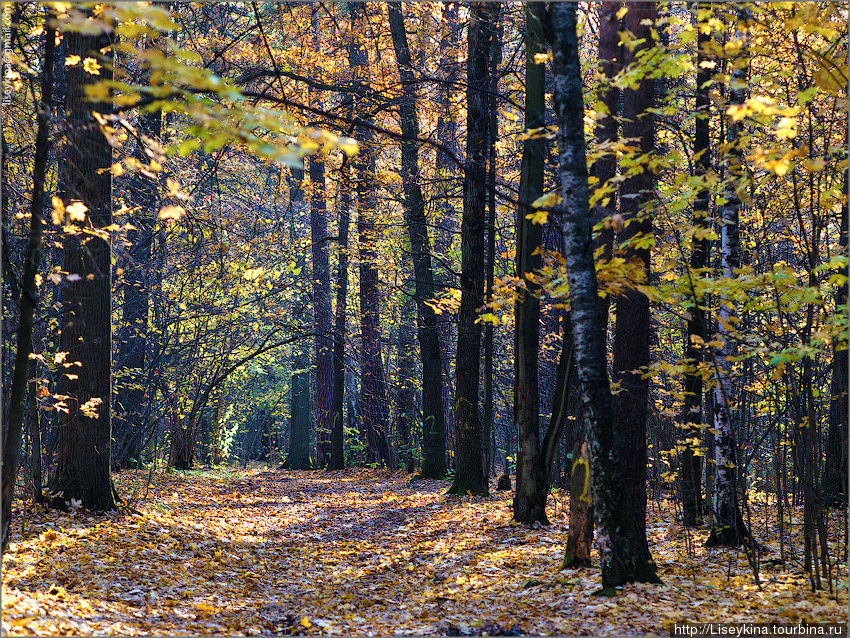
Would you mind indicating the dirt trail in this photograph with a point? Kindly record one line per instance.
(351, 552)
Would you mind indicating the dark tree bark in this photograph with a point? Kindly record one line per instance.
(322, 314)
(321, 309)
(690, 485)
(13, 428)
(406, 382)
(337, 461)
(492, 137)
(445, 219)
(620, 548)
(531, 475)
(433, 417)
(835, 469)
(298, 457)
(631, 336)
(372, 383)
(129, 422)
(85, 430)
(470, 473)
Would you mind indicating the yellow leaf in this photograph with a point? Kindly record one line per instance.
(305, 622)
(348, 146)
(171, 212)
(91, 66)
(71, 60)
(58, 212)
(77, 211)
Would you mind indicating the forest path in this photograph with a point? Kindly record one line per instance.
(353, 552)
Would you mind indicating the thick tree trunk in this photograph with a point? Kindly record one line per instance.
(433, 417)
(620, 548)
(470, 472)
(580, 536)
(372, 382)
(182, 451)
(85, 430)
(690, 485)
(322, 314)
(631, 337)
(728, 527)
(531, 475)
(298, 456)
(321, 310)
(337, 461)
(13, 428)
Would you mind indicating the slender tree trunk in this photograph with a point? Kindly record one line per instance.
(433, 422)
(631, 337)
(406, 383)
(604, 169)
(337, 423)
(531, 475)
(35, 434)
(470, 471)
(85, 430)
(495, 59)
(445, 219)
(372, 383)
(620, 548)
(129, 423)
(13, 428)
(695, 337)
(835, 470)
(728, 527)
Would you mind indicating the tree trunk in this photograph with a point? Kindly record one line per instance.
(182, 451)
(728, 527)
(322, 315)
(433, 417)
(690, 484)
(835, 470)
(445, 219)
(372, 384)
(298, 457)
(406, 382)
(337, 461)
(470, 472)
(13, 428)
(85, 430)
(129, 423)
(631, 337)
(581, 511)
(531, 475)
(620, 548)
(495, 59)
(321, 309)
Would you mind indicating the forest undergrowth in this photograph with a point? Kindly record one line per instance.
(368, 552)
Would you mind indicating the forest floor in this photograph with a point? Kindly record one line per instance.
(259, 551)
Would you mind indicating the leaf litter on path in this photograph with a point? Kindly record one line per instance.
(359, 552)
